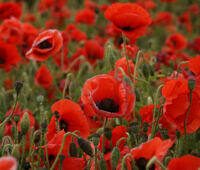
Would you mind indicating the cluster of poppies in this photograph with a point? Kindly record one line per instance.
(100, 85)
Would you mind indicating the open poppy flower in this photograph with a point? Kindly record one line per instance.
(186, 162)
(48, 43)
(8, 163)
(106, 96)
(71, 118)
(155, 147)
(129, 18)
(43, 77)
(9, 56)
(176, 42)
(177, 102)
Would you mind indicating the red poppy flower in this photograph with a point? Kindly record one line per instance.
(10, 9)
(48, 43)
(186, 162)
(176, 42)
(11, 31)
(8, 163)
(194, 65)
(129, 18)
(106, 96)
(175, 108)
(195, 45)
(163, 18)
(9, 56)
(185, 21)
(71, 118)
(43, 77)
(86, 16)
(8, 84)
(94, 51)
(155, 147)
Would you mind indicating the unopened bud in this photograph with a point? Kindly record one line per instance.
(73, 149)
(115, 156)
(25, 124)
(95, 139)
(18, 87)
(85, 146)
(102, 164)
(16, 151)
(191, 84)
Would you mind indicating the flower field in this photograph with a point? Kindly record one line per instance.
(100, 85)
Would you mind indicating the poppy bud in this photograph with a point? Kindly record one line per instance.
(36, 137)
(108, 133)
(16, 151)
(95, 139)
(40, 98)
(191, 84)
(2, 133)
(25, 124)
(145, 70)
(18, 87)
(16, 118)
(102, 164)
(115, 156)
(85, 146)
(73, 150)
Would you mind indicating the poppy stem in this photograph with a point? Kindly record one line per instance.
(124, 159)
(154, 160)
(96, 160)
(68, 78)
(154, 125)
(104, 126)
(45, 144)
(124, 51)
(118, 142)
(62, 59)
(185, 127)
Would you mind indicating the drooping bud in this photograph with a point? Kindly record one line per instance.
(85, 146)
(16, 151)
(95, 139)
(73, 150)
(102, 164)
(115, 156)
(25, 124)
(18, 87)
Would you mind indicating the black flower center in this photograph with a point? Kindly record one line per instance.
(108, 104)
(63, 125)
(2, 61)
(51, 159)
(45, 44)
(141, 164)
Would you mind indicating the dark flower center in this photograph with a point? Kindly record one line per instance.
(141, 164)
(2, 61)
(45, 44)
(2, 56)
(63, 125)
(108, 104)
(51, 159)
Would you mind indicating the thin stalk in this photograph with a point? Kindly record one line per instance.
(104, 125)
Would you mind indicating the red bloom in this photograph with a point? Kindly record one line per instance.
(155, 147)
(129, 18)
(195, 45)
(86, 16)
(48, 43)
(8, 163)
(94, 51)
(177, 102)
(106, 96)
(9, 56)
(11, 31)
(186, 162)
(194, 65)
(163, 18)
(10, 9)
(176, 42)
(71, 118)
(43, 77)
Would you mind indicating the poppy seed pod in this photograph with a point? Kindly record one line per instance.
(191, 84)
(25, 124)
(18, 87)
(85, 146)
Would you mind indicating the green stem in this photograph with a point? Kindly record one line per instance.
(153, 131)
(118, 142)
(124, 159)
(104, 125)
(135, 70)
(45, 144)
(188, 112)
(10, 116)
(66, 82)
(96, 160)
(154, 160)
